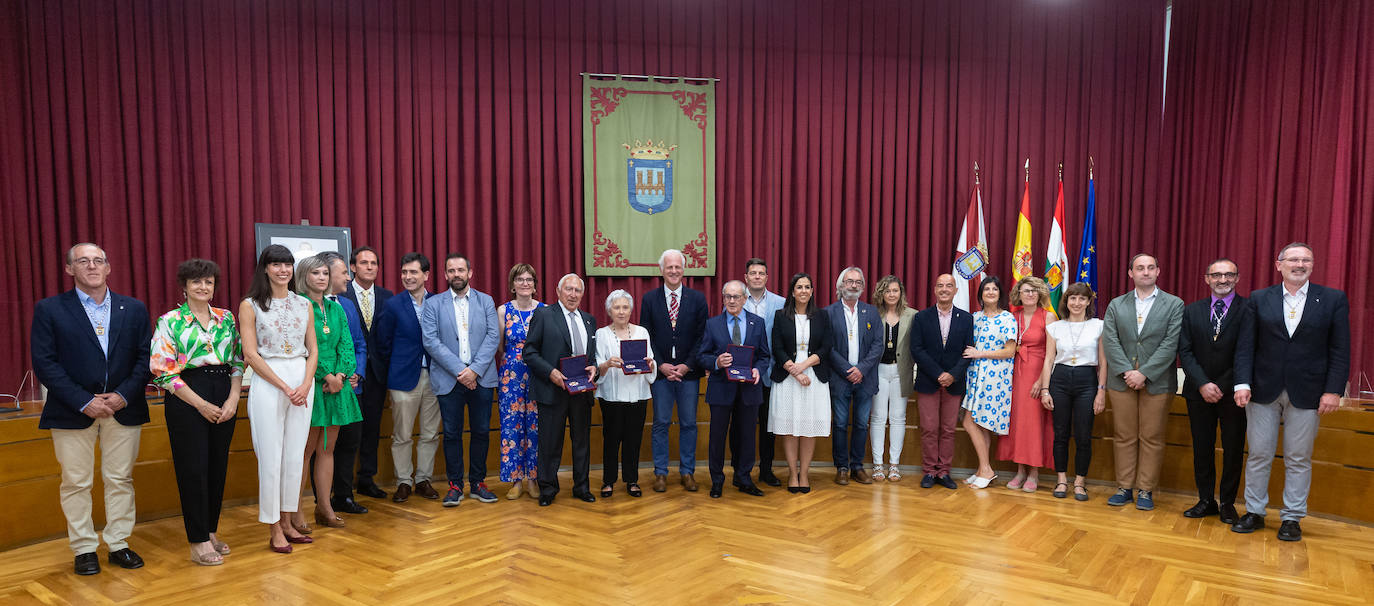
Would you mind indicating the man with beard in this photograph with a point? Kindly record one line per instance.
(1207, 350)
(461, 335)
(854, 366)
(1297, 357)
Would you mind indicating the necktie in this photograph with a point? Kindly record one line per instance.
(577, 346)
(1218, 312)
(734, 331)
(672, 308)
(366, 299)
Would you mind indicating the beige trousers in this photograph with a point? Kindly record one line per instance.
(1138, 419)
(75, 450)
(405, 406)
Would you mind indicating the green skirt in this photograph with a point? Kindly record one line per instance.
(333, 409)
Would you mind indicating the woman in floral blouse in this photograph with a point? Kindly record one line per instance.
(197, 358)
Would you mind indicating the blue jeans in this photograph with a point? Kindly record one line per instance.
(684, 394)
(478, 404)
(848, 448)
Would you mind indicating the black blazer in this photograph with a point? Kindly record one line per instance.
(1314, 361)
(68, 361)
(1204, 360)
(784, 342)
(691, 323)
(932, 357)
(550, 341)
(376, 366)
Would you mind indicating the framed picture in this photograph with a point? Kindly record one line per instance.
(303, 240)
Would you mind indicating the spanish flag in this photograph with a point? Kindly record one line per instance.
(1021, 258)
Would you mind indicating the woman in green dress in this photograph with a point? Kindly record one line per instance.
(335, 403)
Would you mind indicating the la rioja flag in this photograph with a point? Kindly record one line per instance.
(1056, 258)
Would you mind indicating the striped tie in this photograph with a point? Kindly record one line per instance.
(672, 308)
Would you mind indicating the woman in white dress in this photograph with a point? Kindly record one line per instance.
(624, 398)
(799, 407)
(988, 399)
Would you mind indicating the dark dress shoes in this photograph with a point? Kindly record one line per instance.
(87, 563)
(927, 481)
(586, 497)
(1228, 514)
(126, 558)
(1202, 510)
(947, 482)
(427, 491)
(766, 476)
(545, 500)
(371, 490)
(751, 489)
(1289, 530)
(1248, 523)
(715, 490)
(348, 506)
(403, 491)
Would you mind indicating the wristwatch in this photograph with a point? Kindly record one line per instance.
(1101, 387)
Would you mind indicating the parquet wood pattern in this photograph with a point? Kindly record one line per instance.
(890, 543)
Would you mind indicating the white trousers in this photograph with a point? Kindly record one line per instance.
(889, 409)
(75, 450)
(405, 406)
(279, 429)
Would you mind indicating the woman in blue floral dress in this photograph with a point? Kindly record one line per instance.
(988, 399)
(519, 415)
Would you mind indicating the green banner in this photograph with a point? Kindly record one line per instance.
(649, 166)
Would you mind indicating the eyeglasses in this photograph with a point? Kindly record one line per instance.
(89, 261)
(524, 280)
(732, 297)
(1298, 260)
(853, 282)
(1217, 275)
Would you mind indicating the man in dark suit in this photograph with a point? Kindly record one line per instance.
(346, 444)
(857, 332)
(90, 349)
(1207, 351)
(370, 297)
(1296, 356)
(939, 336)
(675, 317)
(734, 405)
(401, 345)
(557, 332)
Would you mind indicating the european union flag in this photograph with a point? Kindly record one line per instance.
(1087, 250)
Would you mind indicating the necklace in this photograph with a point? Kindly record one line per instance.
(1073, 340)
(1292, 309)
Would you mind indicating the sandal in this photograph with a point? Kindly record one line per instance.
(211, 558)
(633, 489)
(1080, 492)
(893, 475)
(1030, 485)
(878, 474)
(220, 546)
(607, 491)
(1059, 494)
(1016, 482)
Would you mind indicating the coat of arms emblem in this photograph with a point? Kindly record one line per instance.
(649, 176)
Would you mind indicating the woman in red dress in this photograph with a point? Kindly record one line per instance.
(1030, 442)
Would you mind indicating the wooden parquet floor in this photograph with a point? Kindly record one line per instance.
(880, 544)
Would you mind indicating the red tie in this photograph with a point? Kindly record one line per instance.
(672, 308)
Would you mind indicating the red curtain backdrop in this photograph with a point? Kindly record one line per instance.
(1269, 140)
(847, 132)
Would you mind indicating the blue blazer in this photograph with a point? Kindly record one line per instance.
(933, 357)
(870, 348)
(439, 328)
(67, 359)
(355, 329)
(721, 391)
(376, 363)
(400, 343)
(691, 321)
(1314, 361)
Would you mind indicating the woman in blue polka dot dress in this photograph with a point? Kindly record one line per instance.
(988, 400)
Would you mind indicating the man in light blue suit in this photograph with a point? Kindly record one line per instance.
(854, 366)
(461, 335)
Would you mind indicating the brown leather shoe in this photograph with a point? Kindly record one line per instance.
(402, 493)
(660, 483)
(861, 476)
(842, 477)
(689, 482)
(425, 490)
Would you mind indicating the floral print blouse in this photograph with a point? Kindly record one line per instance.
(180, 343)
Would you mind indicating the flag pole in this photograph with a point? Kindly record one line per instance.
(975, 173)
(1027, 170)
(1090, 167)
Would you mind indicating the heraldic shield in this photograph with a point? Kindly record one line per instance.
(649, 177)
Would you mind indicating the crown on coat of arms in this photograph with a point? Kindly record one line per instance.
(649, 150)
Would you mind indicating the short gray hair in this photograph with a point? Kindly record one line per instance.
(71, 251)
(663, 258)
(616, 295)
(732, 283)
(1282, 253)
(579, 281)
(839, 282)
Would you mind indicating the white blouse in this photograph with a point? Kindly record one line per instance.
(1075, 343)
(281, 328)
(615, 385)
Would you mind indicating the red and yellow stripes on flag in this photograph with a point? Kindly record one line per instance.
(1021, 257)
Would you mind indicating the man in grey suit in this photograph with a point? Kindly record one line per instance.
(461, 333)
(1140, 339)
(854, 364)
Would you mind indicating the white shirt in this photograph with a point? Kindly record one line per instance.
(667, 299)
(365, 295)
(575, 330)
(1293, 306)
(851, 322)
(1142, 307)
(1075, 343)
(614, 385)
(460, 314)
